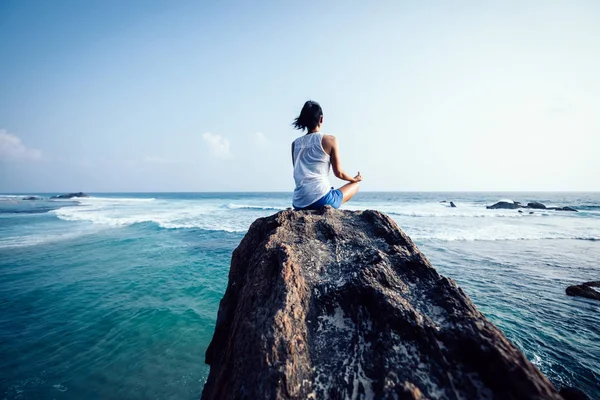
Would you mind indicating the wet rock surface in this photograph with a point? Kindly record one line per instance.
(513, 205)
(569, 393)
(566, 208)
(585, 290)
(69, 195)
(536, 205)
(504, 205)
(339, 304)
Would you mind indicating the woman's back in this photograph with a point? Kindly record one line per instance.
(313, 155)
(311, 169)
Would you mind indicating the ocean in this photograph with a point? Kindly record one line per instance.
(116, 295)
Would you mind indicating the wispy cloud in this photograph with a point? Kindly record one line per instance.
(260, 139)
(11, 148)
(218, 145)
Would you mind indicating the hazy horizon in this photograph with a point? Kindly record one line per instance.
(152, 96)
(92, 192)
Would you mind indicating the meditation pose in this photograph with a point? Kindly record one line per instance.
(312, 156)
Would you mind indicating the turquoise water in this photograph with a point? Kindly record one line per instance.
(115, 296)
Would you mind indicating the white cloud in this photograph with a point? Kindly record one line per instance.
(219, 146)
(11, 148)
(260, 139)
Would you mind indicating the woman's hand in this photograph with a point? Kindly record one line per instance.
(357, 178)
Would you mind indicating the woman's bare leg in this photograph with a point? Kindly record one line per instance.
(349, 190)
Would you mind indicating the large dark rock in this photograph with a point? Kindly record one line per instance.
(452, 204)
(69, 195)
(31, 198)
(570, 393)
(340, 304)
(505, 205)
(536, 205)
(585, 290)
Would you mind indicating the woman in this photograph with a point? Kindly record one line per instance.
(312, 156)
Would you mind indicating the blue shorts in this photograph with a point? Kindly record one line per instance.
(333, 198)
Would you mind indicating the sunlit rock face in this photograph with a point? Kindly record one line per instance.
(342, 305)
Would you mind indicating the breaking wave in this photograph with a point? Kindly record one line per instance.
(422, 221)
(232, 206)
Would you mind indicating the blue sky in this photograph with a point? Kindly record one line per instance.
(199, 96)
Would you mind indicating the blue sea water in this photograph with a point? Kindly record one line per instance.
(115, 296)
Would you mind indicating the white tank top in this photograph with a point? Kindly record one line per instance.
(311, 170)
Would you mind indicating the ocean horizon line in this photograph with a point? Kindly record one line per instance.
(290, 192)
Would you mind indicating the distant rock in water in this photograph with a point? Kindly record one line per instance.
(507, 205)
(450, 203)
(512, 205)
(69, 195)
(31, 198)
(585, 290)
(536, 205)
(562, 209)
(340, 304)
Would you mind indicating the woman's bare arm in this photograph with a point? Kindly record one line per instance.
(330, 145)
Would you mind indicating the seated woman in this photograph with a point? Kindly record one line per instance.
(312, 156)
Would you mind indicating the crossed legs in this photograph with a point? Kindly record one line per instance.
(349, 190)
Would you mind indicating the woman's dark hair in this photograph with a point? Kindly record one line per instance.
(309, 116)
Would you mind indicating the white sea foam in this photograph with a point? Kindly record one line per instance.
(112, 200)
(514, 214)
(422, 221)
(232, 206)
(40, 238)
(168, 214)
(465, 236)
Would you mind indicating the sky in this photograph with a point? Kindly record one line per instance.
(150, 96)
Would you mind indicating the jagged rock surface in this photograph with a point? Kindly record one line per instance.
(336, 304)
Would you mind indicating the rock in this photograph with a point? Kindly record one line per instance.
(530, 212)
(69, 195)
(505, 205)
(31, 198)
(341, 304)
(570, 393)
(585, 290)
(452, 205)
(511, 205)
(562, 209)
(520, 211)
(536, 205)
